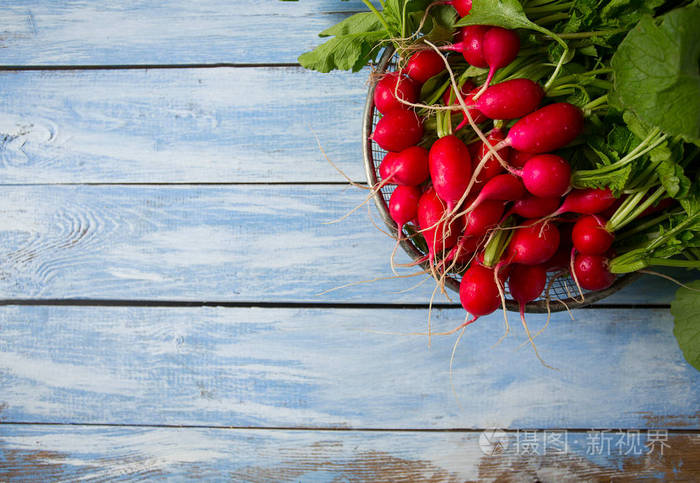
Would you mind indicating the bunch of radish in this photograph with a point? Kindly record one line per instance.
(491, 197)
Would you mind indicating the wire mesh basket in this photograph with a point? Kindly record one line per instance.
(562, 288)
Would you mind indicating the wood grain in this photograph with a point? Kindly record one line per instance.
(35, 32)
(72, 453)
(216, 243)
(180, 125)
(340, 368)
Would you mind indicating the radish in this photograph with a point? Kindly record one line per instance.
(590, 236)
(408, 167)
(533, 207)
(484, 217)
(478, 291)
(547, 129)
(519, 158)
(467, 91)
(431, 219)
(403, 205)
(510, 99)
(397, 130)
(492, 167)
(592, 272)
(504, 187)
(472, 44)
(546, 175)
(587, 201)
(526, 283)
(533, 243)
(499, 47)
(463, 7)
(423, 65)
(392, 87)
(450, 169)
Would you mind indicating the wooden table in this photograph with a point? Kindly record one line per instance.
(162, 250)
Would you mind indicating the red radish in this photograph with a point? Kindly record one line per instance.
(462, 6)
(484, 217)
(526, 283)
(403, 205)
(466, 88)
(510, 99)
(408, 168)
(478, 291)
(467, 92)
(546, 175)
(592, 272)
(450, 169)
(470, 43)
(533, 243)
(504, 187)
(385, 167)
(547, 129)
(499, 47)
(464, 250)
(561, 260)
(534, 207)
(590, 236)
(492, 167)
(587, 201)
(438, 235)
(519, 158)
(423, 65)
(397, 130)
(387, 94)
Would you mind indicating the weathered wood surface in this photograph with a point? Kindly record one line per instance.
(36, 32)
(30, 453)
(340, 368)
(180, 125)
(199, 243)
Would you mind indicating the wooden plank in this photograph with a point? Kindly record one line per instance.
(35, 32)
(340, 368)
(221, 243)
(180, 125)
(77, 453)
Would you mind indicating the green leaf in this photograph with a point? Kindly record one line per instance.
(501, 13)
(685, 309)
(656, 72)
(673, 179)
(346, 52)
(691, 203)
(355, 24)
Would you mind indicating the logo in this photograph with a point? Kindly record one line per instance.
(493, 442)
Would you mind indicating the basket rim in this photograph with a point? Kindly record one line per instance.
(451, 282)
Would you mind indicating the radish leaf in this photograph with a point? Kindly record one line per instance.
(656, 73)
(685, 309)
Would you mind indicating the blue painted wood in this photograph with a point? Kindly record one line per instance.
(341, 368)
(31, 453)
(224, 243)
(182, 125)
(36, 32)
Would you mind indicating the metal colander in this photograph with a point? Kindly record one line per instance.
(562, 288)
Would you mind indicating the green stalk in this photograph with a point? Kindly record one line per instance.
(379, 15)
(555, 17)
(586, 35)
(498, 243)
(644, 226)
(556, 7)
(624, 210)
(640, 209)
(671, 262)
(588, 108)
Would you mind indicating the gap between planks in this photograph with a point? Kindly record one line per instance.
(280, 305)
(216, 65)
(330, 429)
